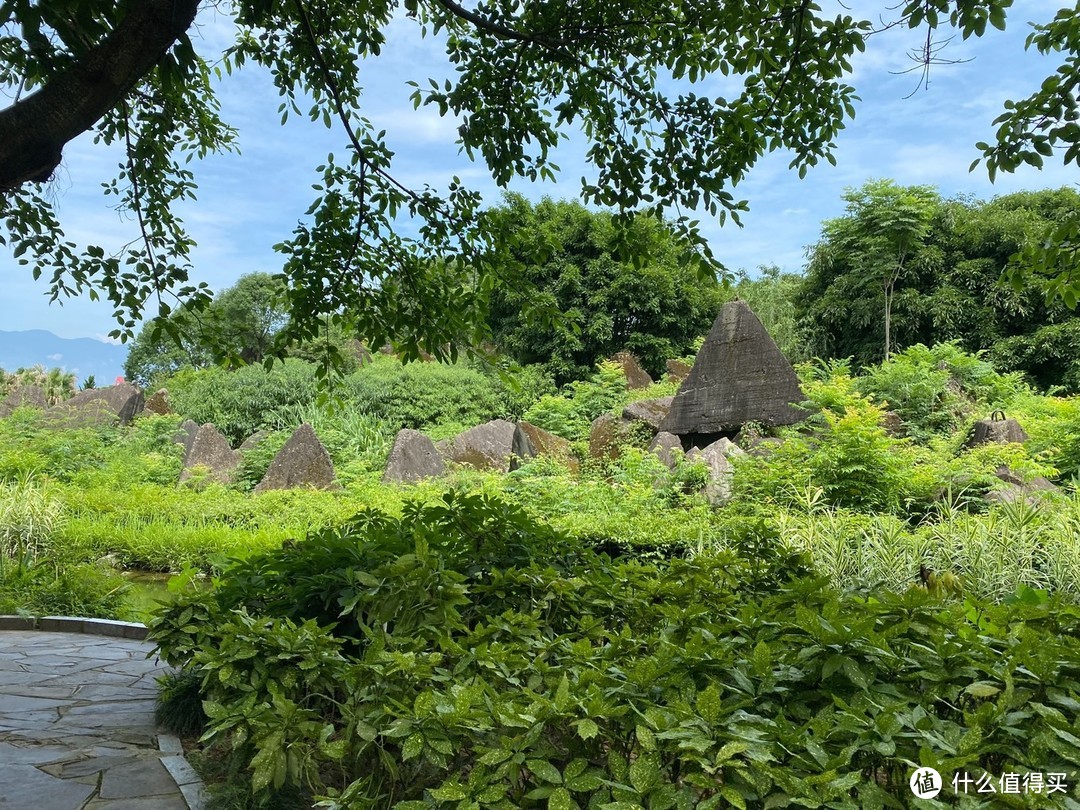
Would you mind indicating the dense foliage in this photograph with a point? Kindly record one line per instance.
(605, 303)
(949, 286)
(465, 655)
(584, 631)
(241, 322)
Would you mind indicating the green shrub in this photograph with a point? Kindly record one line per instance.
(423, 395)
(444, 658)
(255, 461)
(246, 400)
(934, 389)
(59, 589)
(179, 703)
(845, 453)
(571, 413)
(30, 515)
(1053, 423)
(28, 448)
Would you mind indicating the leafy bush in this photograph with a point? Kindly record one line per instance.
(846, 454)
(179, 703)
(571, 413)
(1053, 423)
(30, 515)
(48, 588)
(443, 658)
(423, 395)
(934, 389)
(28, 448)
(246, 400)
(256, 460)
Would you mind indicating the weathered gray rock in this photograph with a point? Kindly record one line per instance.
(25, 396)
(253, 441)
(301, 462)
(543, 441)
(1016, 487)
(997, 430)
(546, 443)
(112, 405)
(893, 424)
(607, 435)
(677, 370)
(650, 411)
(413, 458)
(739, 376)
(495, 445)
(360, 352)
(717, 457)
(210, 449)
(667, 447)
(186, 435)
(159, 403)
(636, 376)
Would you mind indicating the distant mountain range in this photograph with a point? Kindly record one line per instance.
(80, 356)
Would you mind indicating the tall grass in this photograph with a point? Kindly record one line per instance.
(30, 515)
(994, 552)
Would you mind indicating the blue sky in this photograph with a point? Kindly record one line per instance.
(247, 202)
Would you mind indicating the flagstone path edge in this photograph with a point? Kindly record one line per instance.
(187, 780)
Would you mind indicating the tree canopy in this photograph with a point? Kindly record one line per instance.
(952, 287)
(572, 265)
(385, 261)
(241, 322)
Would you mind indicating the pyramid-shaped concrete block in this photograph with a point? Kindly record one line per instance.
(739, 376)
(301, 462)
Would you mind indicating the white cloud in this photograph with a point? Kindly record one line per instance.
(55, 357)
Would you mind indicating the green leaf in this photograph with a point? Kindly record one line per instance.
(560, 800)
(544, 770)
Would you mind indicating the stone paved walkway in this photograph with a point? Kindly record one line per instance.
(77, 726)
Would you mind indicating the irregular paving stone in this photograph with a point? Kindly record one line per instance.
(717, 456)
(650, 411)
(53, 758)
(739, 376)
(636, 376)
(496, 445)
(25, 396)
(24, 786)
(301, 462)
(112, 405)
(159, 403)
(667, 447)
(211, 450)
(413, 457)
(132, 780)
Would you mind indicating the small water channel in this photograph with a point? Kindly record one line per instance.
(147, 590)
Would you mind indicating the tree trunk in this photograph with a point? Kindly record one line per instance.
(35, 130)
(888, 318)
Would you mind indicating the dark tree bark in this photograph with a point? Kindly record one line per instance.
(35, 130)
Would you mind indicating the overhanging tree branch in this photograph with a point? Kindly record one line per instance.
(35, 130)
